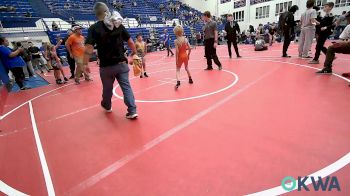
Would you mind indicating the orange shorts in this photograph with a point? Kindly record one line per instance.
(182, 60)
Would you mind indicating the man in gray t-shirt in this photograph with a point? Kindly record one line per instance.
(308, 29)
(306, 18)
(210, 41)
(209, 29)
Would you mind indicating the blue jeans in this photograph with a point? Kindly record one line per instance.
(338, 31)
(108, 76)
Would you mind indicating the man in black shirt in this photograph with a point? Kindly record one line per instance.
(109, 37)
(286, 25)
(326, 27)
(37, 61)
(232, 28)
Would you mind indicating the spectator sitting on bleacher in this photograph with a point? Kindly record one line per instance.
(3, 9)
(66, 6)
(161, 7)
(7, 9)
(28, 14)
(54, 26)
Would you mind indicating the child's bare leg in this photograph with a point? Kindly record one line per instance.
(178, 73)
(62, 72)
(177, 77)
(56, 74)
(188, 71)
(189, 74)
(144, 67)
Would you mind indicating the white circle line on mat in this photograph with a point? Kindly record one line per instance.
(188, 98)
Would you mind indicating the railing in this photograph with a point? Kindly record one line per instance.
(39, 27)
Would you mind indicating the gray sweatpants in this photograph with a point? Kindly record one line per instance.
(305, 41)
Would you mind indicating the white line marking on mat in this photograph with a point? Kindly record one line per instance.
(339, 164)
(45, 168)
(16, 108)
(6, 189)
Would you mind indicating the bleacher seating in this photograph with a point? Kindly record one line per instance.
(148, 11)
(17, 17)
(79, 9)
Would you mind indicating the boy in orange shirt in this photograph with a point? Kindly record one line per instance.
(76, 48)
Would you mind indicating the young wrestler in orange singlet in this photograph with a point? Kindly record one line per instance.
(182, 57)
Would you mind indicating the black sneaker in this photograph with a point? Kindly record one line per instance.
(177, 85)
(59, 81)
(65, 79)
(71, 77)
(239, 56)
(141, 76)
(131, 115)
(230, 57)
(190, 81)
(346, 75)
(286, 56)
(325, 71)
(108, 110)
(145, 74)
(220, 67)
(25, 88)
(208, 69)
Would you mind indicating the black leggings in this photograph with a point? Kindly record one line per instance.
(287, 40)
(169, 49)
(19, 75)
(234, 43)
(71, 63)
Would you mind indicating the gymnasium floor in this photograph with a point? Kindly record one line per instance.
(233, 132)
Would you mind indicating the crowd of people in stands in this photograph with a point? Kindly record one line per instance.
(253, 2)
(118, 5)
(239, 3)
(321, 27)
